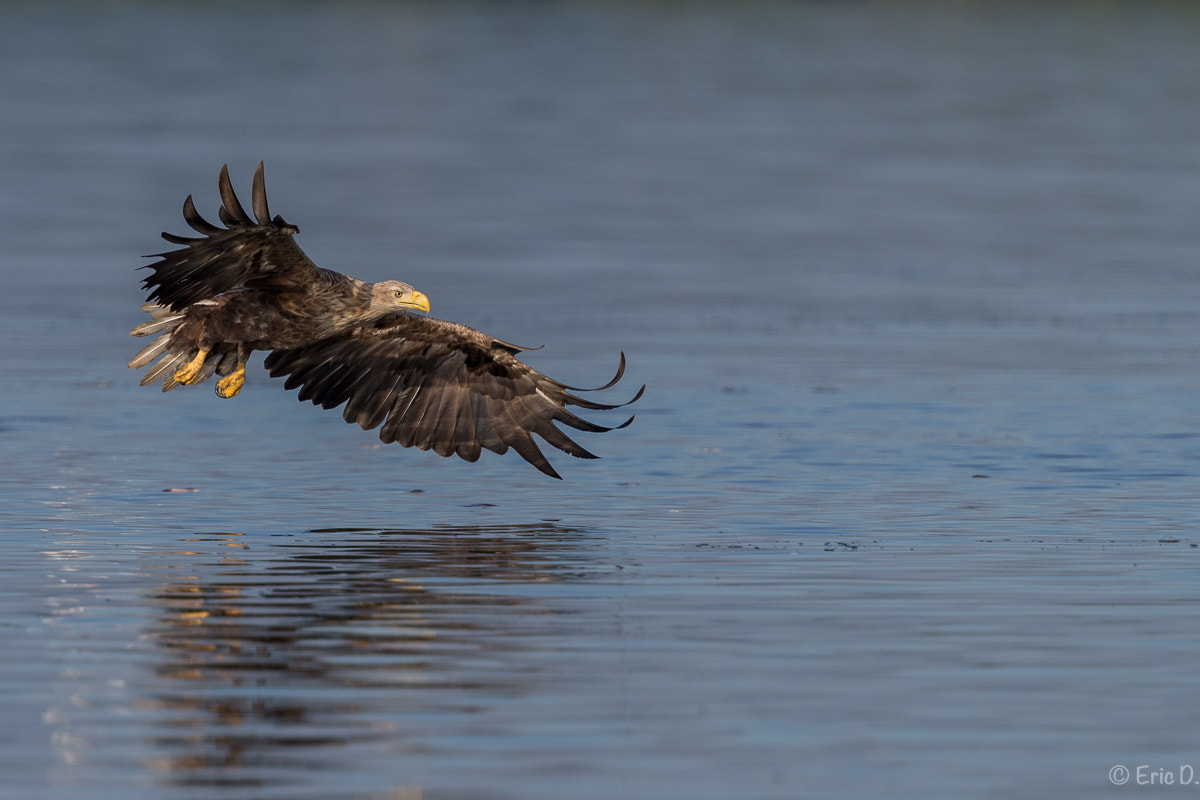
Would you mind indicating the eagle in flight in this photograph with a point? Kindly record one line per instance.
(424, 382)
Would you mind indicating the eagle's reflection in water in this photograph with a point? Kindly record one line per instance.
(345, 637)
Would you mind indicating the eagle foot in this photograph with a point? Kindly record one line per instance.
(191, 370)
(232, 383)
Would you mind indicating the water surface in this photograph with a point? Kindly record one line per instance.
(909, 505)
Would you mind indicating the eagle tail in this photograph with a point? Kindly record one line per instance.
(172, 355)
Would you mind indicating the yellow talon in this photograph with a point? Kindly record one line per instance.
(232, 383)
(189, 371)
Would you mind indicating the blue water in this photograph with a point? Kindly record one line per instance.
(909, 507)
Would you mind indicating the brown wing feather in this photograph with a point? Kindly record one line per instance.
(439, 386)
(243, 253)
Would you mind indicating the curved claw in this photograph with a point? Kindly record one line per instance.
(191, 370)
(232, 383)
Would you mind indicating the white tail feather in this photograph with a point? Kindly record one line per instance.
(154, 325)
(151, 352)
(169, 364)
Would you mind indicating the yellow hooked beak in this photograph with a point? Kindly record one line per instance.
(414, 300)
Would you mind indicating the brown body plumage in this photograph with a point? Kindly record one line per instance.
(425, 382)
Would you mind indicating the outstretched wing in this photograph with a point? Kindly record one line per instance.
(258, 253)
(440, 386)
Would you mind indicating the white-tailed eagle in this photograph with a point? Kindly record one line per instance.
(424, 382)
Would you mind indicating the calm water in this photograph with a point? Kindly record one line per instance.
(910, 505)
